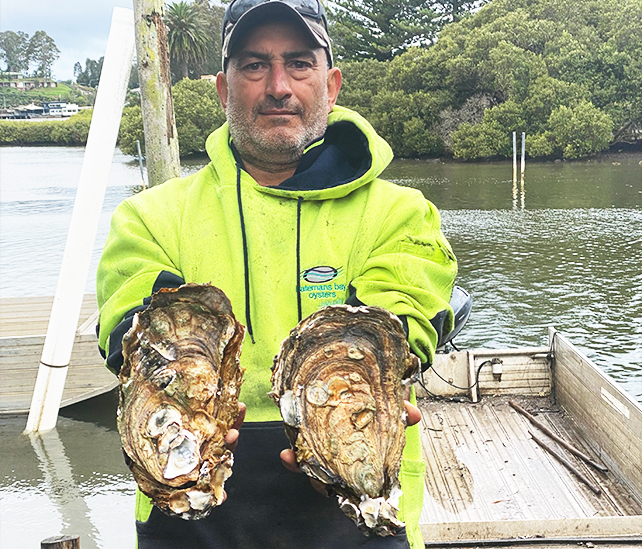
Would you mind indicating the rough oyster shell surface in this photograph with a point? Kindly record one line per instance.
(338, 382)
(179, 390)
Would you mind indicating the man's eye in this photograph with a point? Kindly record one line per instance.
(301, 64)
(253, 66)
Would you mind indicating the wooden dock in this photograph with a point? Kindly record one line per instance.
(23, 326)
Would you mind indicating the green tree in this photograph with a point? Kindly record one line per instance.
(133, 77)
(90, 76)
(578, 132)
(43, 50)
(529, 58)
(454, 10)
(380, 29)
(13, 50)
(198, 113)
(211, 17)
(479, 141)
(186, 36)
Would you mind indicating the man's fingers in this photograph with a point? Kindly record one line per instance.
(232, 436)
(231, 439)
(413, 413)
(288, 458)
(240, 418)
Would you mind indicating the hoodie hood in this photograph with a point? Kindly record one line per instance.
(349, 155)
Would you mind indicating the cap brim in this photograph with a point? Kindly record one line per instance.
(269, 10)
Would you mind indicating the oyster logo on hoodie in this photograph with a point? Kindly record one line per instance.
(321, 274)
(322, 285)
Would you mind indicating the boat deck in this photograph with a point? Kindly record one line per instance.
(23, 325)
(484, 469)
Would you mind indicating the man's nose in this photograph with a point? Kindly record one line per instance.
(279, 82)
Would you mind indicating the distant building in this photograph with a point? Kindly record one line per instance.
(53, 109)
(32, 110)
(58, 108)
(208, 77)
(20, 82)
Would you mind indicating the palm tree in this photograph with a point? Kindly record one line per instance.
(186, 36)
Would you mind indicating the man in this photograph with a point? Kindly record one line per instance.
(288, 217)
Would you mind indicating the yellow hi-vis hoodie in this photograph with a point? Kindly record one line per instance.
(332, 233)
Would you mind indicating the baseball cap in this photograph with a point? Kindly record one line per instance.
(241, 15)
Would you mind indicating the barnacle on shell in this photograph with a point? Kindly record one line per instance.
(179, 389)
(338, 382)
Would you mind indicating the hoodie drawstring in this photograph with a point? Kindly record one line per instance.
(248, 317)
(298, 257)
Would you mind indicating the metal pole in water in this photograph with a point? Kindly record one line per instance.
(140, 164)
(523, 154)
(72, 279)
(514, 158)
(514, 169)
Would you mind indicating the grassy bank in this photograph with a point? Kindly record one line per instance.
(11, 97)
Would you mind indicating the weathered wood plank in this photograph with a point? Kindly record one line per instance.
(23, 324)
(21, 316)
(549, 528)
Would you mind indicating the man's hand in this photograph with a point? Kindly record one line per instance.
(232, 436)
(413, 413)
(288, 457)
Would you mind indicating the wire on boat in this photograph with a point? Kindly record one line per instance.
(422, 382)
(485, 363)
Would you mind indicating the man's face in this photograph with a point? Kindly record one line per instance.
(277, 94)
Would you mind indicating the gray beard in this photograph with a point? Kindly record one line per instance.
(272, 154)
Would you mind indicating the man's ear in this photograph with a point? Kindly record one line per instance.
(334, 86)
(221, 88)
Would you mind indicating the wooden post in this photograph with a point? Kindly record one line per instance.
(161, 140)
(61, 542)
(140, 164)
(99, 152)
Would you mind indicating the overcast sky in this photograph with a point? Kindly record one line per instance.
(79, 27)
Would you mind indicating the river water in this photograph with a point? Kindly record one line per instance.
(563, 250)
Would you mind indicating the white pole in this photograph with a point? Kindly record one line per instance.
(523, 155)
(514, 169)
(522, 191)
(514, 158)
(72, 279)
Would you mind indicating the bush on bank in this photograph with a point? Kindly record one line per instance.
(198, 113)
(72, 131)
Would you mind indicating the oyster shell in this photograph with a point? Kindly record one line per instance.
(338, 382)
(179, 390)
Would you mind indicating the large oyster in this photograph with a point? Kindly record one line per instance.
(338, 382)
(179, 391)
